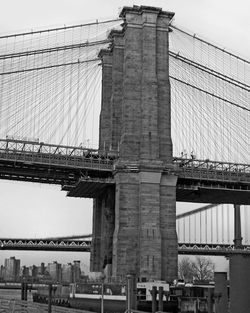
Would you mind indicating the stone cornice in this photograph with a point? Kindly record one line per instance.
(142, 9)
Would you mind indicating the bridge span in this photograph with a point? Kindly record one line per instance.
(86, 172)
(85, 246)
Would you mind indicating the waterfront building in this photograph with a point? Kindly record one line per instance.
(67, 273)
(76, 271)
(33, 271)
(25, 272)
(41, 269)
(55, 271)
(11, 269)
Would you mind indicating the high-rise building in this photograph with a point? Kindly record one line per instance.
(12, 269)
(33, 271)
(42, 269)
(25, 272)
(67, 273)
(2, 272)
(76, 271)
(55, 271)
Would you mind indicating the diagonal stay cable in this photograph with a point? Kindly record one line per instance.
(61, 28)
(210, 93)
(48, 67)
(210, 44)
(54, 49)
(210, 71)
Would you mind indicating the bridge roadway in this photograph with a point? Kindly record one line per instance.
(85, 246)
(86, 172)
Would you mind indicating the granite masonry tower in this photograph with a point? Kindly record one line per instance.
(134, 223)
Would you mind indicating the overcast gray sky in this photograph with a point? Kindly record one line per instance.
(29, 210)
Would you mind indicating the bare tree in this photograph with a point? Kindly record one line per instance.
(185, 269)
(202, 268)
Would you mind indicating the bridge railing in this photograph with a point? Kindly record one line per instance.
(38, 152)
(81, 157)
(212, 170)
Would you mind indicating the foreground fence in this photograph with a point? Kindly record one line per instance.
(18, 306)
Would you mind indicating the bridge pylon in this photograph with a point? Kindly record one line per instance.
(135, 116)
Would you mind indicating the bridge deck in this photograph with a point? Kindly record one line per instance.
(220, 194)
(85, 246)
(86, 172)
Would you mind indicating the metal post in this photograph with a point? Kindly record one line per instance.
(237, 227)
(160, 299)
(102, 302)
(128, 294)
(154, 302)
(22, 291)
(49, 298)
(102, 292)
(197, 305)
(25, 291)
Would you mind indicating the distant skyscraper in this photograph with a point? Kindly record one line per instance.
(33, 271)
(25, 272)
(76, 271)
(55, 271)
(67, 273)
(12, 269)
(2, 272)
(42, 269)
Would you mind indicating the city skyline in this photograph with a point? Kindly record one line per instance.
(21, 264)
(40, 211)
(13, 270)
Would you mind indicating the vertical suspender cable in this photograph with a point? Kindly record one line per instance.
(211, 224)
(200, 228)
(178, 230)
(195, 239)
(189, 229)
(222, 222)
(246, 223)
(206, 227)
(217, 229)
(184, 229)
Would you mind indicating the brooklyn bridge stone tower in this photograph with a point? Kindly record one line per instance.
(134, 221)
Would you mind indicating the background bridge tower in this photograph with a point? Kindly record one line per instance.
(137, 220)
